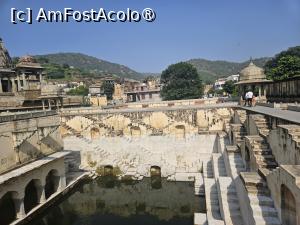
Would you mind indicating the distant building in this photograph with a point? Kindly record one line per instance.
(218, 85)
(23, 85)
(234, 78)
(143, 93)
(95, 89)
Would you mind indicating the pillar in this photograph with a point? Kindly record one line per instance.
(1, 89)
(8, 85)
(57, 104)
(62, 183)
(19, 83)
(259, 91)
(43, 102)
(24, 81)
(274, 123)
(18, 160)
(41, 193)
(19, 206)
(61, 102)
(41, 77)
(14, 88)
(49, 104)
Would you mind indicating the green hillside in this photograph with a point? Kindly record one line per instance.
(88, 65)
(212, 70)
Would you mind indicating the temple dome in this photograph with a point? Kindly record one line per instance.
(252, 72)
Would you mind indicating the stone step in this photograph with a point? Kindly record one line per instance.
(267, 165)
(261, 200)
(253, 179)
(264, 211)
(230, 202)
(266, 220)
(262, 151)
(260, 145)
(258, 191)
(265, 158)
(212, 202)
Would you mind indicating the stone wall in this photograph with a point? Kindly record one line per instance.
(286, 176)
(284, 146)
(158, 122)
(25, 140)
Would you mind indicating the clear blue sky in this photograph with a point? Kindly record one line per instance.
(212, 29)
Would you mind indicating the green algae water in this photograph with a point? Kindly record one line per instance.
(107, 201)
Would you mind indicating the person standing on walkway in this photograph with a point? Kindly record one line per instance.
(249, 96)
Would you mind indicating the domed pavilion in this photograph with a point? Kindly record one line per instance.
(253, 78)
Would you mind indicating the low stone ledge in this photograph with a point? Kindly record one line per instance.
(52, 200)
(31, 166)
(294, 108)
(293, 171)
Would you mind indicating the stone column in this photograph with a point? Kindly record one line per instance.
(19, 207)
(259, 91)
(17, 156)
(19, 83)
(1, 89)
(41, 193)
(57, 104)
(43, 102)
(274, 123)
(24, 81)
(49, 104)
(61, 102)
(62, 183)
(41, 77)
(8, 85)
(14, 88)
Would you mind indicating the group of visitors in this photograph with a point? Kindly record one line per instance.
(249, 99)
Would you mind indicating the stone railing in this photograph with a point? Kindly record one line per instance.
(23, 116)
(30, 94)
(149, 106)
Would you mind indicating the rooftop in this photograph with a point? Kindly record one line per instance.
(252, 74)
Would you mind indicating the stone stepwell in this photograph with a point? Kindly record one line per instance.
(264, 212)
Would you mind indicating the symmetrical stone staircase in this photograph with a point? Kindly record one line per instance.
(218, 165)
(264, 212)
(110, 131)
(229, 202)
(212, 200)
(238, 132)
(242, 115)
(262, 153)
(262, 124)
(235, 160)
(73, 132)
(208, 169)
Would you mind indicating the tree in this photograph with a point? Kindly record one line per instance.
(81, 90)
(181, 81)
(108, 89)
(284, 65)
(230, 88)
